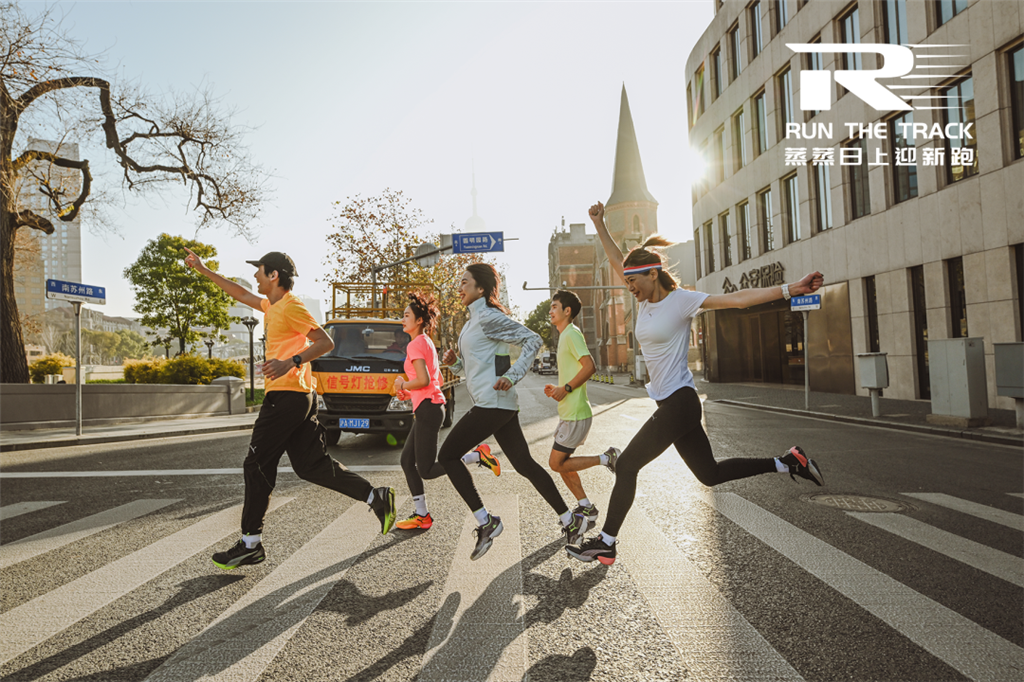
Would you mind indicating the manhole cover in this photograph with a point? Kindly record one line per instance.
(858, 503)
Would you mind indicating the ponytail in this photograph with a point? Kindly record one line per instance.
(645, 254)
(487, 278)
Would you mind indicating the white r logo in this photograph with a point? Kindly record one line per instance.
(814, 85)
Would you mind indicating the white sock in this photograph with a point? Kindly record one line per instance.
(585, 502)
(481, 516)
(565, 518)
(780, 467)
(471, 457)
(421, 504)
(604, 459)
(607, 539)
(369, 500)
(251, 540)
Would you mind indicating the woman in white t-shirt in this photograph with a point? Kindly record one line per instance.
(663, 331)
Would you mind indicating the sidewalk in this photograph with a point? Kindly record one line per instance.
(902, 415)
(91, 435)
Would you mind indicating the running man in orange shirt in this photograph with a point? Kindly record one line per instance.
(287, 420)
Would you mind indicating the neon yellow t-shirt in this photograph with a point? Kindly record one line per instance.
(571, 347)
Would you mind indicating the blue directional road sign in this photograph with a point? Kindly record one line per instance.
(75, 292)
(478, 242)
(812, 302)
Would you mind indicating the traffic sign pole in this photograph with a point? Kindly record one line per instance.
(807, 369)
(78, 367)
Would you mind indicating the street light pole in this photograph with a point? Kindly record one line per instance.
(250, 323)
(209, 348)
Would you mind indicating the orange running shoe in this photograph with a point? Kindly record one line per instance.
(487, 459)
(416, 521)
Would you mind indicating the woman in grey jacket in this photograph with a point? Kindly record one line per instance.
(490, 376)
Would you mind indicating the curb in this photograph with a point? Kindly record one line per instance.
(864, 421)
(98, 440)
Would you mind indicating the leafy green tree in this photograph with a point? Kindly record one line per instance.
(538, 321)
(170, 295)
(132, 345)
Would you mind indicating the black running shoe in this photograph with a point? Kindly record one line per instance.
(801, 465)
(576, 528)
(589, 511)
(594, 548)
(383, 506)
(485, 535)
(239, 555)
(613, 457)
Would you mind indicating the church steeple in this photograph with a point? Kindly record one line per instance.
(628, 182)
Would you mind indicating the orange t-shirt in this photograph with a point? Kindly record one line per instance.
(286, 324)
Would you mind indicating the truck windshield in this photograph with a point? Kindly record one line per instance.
(368, 340)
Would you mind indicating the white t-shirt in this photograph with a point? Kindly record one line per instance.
(663, 330)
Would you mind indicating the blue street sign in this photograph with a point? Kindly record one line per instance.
(478, 242)
(75, 292)
(812, 302)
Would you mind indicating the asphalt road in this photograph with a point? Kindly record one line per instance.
(106, 576)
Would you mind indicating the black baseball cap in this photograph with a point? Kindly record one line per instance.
(275, 260)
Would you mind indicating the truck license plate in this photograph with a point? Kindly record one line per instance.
(354, 423)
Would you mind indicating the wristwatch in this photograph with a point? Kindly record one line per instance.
(785, 292)
(568, 388)
(297, 359)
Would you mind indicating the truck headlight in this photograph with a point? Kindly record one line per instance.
(400, 405)
(321, 406)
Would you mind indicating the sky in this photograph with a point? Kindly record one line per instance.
(351, 98)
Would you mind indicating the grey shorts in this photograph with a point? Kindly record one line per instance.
(571, 435)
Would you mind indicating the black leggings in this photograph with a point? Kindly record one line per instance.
(675, 422)
(474, 428)
(419, 457)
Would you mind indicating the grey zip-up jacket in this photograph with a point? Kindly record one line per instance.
(484, 357)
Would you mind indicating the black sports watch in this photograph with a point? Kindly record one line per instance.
(297, 359)
(568, 388)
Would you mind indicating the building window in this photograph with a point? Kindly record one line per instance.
(781, 14)
(961, 152)
(895, 16)
(1016, 59)
(736, 52)
(698, 93)
(860, 198)
(760, 124)
(743, 216)
(849, 29)
(785, 83)
(957, 297)
(705, 179)
(709, 247)
(904, 168)
(739, 142)
(791, 207)
(690, 113)
(1018, 257)
(723, 226)
(871, 301)
(764, 207)
(924, 388)
(823, 193)
(696, 251)
(719, 151)
(947, 9)
(716, 72)
(756, 42)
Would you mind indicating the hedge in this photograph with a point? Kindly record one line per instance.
(184, 369)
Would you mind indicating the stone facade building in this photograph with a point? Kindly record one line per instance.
(918, 237)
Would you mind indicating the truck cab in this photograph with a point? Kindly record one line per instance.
(355, 381)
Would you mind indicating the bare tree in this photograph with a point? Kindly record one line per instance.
(47, 81)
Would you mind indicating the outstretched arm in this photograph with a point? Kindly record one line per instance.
(232, 289)
(747, 298)
(611, 249)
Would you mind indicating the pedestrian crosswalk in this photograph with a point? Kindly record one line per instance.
(479, 627)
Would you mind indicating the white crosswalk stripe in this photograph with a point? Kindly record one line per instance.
(964, 645)
(992, 561)
(242, 641)
(33, 622)
(58, 537)
(12, 510)
(1004, 518)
